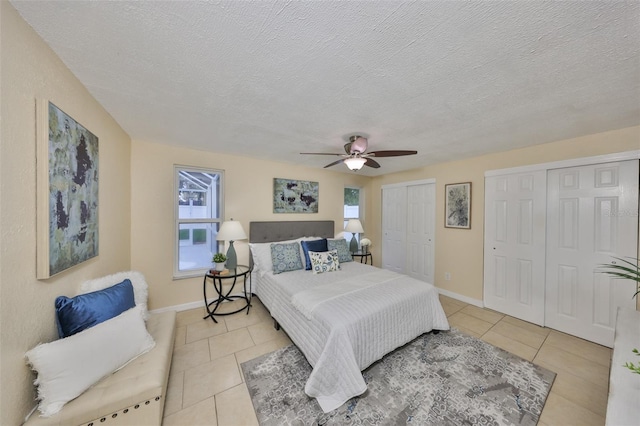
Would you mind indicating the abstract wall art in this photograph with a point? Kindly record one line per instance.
(458, 205)
(67, 191)
(295, 196)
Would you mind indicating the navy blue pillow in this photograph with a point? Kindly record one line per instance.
(315, 245)
(86, 310)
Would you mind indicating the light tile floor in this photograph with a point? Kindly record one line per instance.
(206, 386)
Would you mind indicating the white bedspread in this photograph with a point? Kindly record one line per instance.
(341, 335)
(307, 301)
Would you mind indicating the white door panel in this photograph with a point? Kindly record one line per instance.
(408, 230)
(420, 230)
(394, 217)
(515, 245)
(592, 216)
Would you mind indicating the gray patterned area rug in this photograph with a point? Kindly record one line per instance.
(444, 379)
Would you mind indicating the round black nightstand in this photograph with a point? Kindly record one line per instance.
(241, 271)
(364, 257)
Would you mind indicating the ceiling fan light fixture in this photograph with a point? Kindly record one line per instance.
(356, 155)
(355, 163)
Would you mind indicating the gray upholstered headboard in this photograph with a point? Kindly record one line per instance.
(263, 232)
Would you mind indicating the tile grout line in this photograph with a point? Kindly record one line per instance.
(537, 349)
(492, 326)
(182, 394)
(540, 348)
(215, 407)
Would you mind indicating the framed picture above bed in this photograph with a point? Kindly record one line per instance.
(295, 196)
(457, 213)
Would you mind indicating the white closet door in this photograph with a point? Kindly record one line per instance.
(420, 231)
(592, 216)
(394, 231)
(514, 262)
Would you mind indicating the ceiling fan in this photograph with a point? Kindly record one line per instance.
(356, 156)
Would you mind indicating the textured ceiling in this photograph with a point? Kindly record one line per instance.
(271, 79)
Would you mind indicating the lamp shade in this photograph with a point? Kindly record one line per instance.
(355, 163)
(354, 226)
(231, 230)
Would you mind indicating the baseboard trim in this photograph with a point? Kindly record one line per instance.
(178, 308)
(184, 306)
(462, 298)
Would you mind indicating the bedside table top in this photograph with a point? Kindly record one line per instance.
(229, 273)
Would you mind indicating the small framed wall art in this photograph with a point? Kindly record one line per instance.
(457, 204)
(295, 196)
(67, 191)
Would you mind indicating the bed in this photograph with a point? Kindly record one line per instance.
(342, 321)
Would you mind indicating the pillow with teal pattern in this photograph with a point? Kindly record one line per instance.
(324, 261)
(285, 257)
(341, 245)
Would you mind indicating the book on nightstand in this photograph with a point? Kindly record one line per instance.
(221, 273)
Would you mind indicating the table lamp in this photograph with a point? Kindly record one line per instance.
(231, 231)
(355, 227)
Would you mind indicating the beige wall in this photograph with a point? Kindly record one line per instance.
(460, 251)
(31, 70)
(248, 192)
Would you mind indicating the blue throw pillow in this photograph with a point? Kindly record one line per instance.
(86, 310)
(285, 257)
(315, 245)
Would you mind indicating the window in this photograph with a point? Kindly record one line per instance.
(352, 201)
(198, 213)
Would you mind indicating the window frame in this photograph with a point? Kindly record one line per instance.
(177, 168)
(360, 210)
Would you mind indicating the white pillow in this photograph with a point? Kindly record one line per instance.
(259, 252)
(140, 287)
(67, 367)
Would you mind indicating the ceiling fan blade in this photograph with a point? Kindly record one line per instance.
(372, 163)
(319, 153)
(334, 163)
(391, 153)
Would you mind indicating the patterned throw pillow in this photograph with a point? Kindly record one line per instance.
(285, 257)
(324, 261)
(341, 245)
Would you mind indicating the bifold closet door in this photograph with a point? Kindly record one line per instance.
(592, 216)
(394, 228)
(514, 245)
(421, 210)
